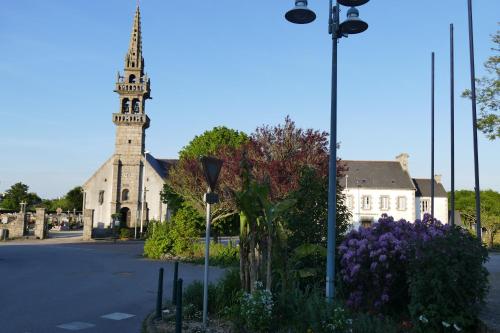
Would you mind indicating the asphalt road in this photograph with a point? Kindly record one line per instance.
(491, 312)
(63, 287)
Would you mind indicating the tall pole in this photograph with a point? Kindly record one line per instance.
(332, 171)
(205, 275)
(432, 135)
(143, 190)
(474, 120)
(452, 125)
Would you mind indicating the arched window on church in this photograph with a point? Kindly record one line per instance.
(136, 107)
(131, 78)
(125, 105)
(125, 195)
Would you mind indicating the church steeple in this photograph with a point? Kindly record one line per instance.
(134, 59)
(133, 88)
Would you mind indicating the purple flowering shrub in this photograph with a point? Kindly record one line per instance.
(374, 262)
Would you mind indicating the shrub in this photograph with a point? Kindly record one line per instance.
(365, 323)
(226, 291)
(374, 262)
(299, 310)
(159, 240)
(125, 233)
(193, 294)
(220, 296)
(220, 254)
(256, 309)
(447, 281)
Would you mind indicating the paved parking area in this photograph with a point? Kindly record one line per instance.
(87, 287)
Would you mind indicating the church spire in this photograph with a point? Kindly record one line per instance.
(133, 59)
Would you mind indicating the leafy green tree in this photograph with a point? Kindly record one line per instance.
(465, 203)
(19, 193)
(74, 198)
(186, 183)
(488, 92)
(210, 142)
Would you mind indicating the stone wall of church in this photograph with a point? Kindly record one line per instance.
(98, 194)
(154, 185)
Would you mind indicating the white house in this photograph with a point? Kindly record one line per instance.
(373, 188)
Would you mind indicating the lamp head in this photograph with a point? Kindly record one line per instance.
(352, 3)
(300, 14)
(353, 24)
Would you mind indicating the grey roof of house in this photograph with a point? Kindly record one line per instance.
(161, 166)
(376, 175)
(424, 188)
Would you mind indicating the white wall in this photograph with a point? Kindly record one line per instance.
(440, 211)
(154, 186)
(102, 180)
(373, 214)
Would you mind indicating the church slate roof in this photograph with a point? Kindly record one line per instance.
(424, 188)
(161, 166)
(376, 175)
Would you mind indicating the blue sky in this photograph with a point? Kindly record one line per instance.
(238, 64)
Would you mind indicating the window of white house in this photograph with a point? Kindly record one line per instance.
(349, 201)
(367, 202)
(426, 205)
(384, 202)
(402, 203)
(101, 197)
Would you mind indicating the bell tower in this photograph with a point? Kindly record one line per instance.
(133, 88)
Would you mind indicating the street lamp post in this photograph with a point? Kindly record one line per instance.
(211, 169)
(300, 14)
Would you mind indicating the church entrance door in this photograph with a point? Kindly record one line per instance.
(124, 217)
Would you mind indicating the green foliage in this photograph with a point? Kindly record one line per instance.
(255, 310)
(488, 92)
(18, 193)
(193, 294)
(220, 296)
(125, 233)
(447, 281)
(465, 203)
(365, 323)
(159, 240)
(176, 237)
(299, 310)
(186, 227)
(74, 199)
(307, 265)
(211, 141)
(170, 197)
(220, 255)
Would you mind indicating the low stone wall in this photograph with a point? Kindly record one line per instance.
(17, 228)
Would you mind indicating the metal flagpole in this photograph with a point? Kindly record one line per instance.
(474, 121)
(432, 136)
(452, 124)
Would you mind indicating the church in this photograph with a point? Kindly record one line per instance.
(130, 181)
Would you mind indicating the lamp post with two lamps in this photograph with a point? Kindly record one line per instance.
(301, 14)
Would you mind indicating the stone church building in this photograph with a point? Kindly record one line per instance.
(131, 180)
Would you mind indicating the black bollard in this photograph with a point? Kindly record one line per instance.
(174, 289)
(178, 308)
(159, 296)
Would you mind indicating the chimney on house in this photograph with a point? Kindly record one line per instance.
(403, 159)
(438, 178)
